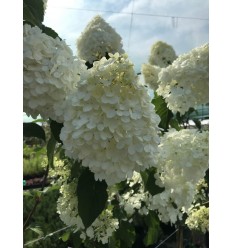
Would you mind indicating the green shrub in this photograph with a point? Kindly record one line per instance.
(34, 159)
(45, 220)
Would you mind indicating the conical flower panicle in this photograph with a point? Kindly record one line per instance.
(162, 54)
(110, 123)
(50, 71)
(185, 83)
(97, 40)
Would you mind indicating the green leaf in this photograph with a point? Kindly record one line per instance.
(186, 116)
(33, 130)
(92, 197)
(122, 186)
(33, 11)
(49, 31)
(50, 151)
(118, 211)
(38, 194)
(126, 234)
(51, 188)
(27, 193)
(174, 124)
(114, 242)
(39, 120)
(37, 230)
(152, 235)
(150, 181)
(56, 129)
(65, 236)
(76, 169)
(162, 110)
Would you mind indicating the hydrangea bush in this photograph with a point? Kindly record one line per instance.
(121, 171)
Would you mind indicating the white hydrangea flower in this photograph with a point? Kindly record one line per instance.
(185, 83)
(185, 149)
(198, 219)
(132, 201)
(162, 54)
(110, 123)
(98, 39)
(50, 71)
(166, 203)
(103, 227)
(135, 179)
(151, 75)
(67, 205)
(183, 161)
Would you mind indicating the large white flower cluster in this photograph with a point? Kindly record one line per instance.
(50, 71)
(198, 219)
(183, 161)
(151, 75)
(133, 201)
(98, 39)
(110, 123)
(185, 83)
(162, 54)
(102, 228)
(67, 207)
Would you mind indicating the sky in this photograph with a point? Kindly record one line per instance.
(182, 24)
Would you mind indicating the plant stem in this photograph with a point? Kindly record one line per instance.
(180, 238)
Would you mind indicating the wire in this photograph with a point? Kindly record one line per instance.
(48, 235)
(134, 13)
(131, 21)
(166, 238)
